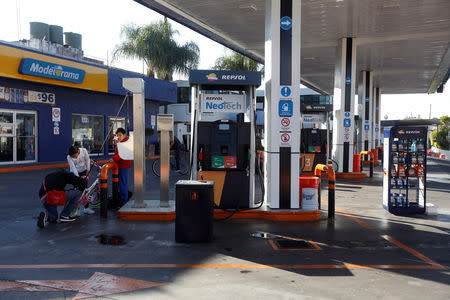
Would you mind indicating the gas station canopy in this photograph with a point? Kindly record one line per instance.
(404, 43)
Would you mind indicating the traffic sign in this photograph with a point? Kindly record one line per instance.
(285, 108)
(286, 23)
(285, 91)
(366, 127)
(55, 124)
(285, 138)
(347, 114)
(285, 122)
(56, 114)
(348, 80)
(347, 122)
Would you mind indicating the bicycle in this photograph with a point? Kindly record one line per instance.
(184, 164)
(90, 194)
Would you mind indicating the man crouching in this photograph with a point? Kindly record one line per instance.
(52, 193)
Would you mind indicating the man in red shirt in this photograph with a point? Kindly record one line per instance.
(124, 166)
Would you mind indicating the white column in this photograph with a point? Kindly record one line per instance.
(365, 98)
(377, 118)
(282, 103)
(136, 86)
(343, 103)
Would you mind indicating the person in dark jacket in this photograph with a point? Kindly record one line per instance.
(176, 146)
(57, 181)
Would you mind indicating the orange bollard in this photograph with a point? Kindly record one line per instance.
(370, 153)
(331, 186)
(104, 187)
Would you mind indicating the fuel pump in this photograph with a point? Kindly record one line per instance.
(224, 148)
(223, 143)
(313, 148)
(314, 136)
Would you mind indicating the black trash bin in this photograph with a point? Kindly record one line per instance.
(194, 211)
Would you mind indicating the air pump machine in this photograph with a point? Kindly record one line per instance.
(223, 134)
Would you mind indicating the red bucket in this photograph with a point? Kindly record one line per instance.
(375, 155)
(356, 163)
(309, 182)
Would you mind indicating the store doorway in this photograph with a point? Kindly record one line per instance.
(17, 137)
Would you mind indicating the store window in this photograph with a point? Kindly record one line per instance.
(88, 132)
(25, 133)
(17, 136)
(6, 136)
(113, 124)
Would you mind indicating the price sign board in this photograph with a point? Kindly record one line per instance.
(41, 97)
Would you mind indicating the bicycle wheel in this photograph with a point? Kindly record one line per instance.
(94, 199)
(156, 167)
(334, 164)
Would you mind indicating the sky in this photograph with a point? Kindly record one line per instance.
(100, 22)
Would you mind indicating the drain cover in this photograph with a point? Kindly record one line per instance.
(263, 235)
(293, 244)
(106, 239)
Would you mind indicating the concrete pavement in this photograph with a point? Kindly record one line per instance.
(365, 253)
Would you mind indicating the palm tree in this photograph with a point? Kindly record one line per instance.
(236, 62)
(155, 44)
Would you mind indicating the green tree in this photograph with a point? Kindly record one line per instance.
(155, 44)
(236, 62)
(439, 137)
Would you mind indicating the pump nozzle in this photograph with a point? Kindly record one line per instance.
(200, 154)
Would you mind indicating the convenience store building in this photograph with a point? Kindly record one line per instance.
(49, 102)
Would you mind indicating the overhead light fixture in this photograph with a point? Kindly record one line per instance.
(248, 6)
(392, 4)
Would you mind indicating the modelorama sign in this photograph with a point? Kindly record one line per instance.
(213, 103)
(40, 68)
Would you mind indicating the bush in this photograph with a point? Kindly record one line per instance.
(439, 137)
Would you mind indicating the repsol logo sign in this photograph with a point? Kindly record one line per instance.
(223, 106)
(233, 77)
(214, 98)
(39, 68)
